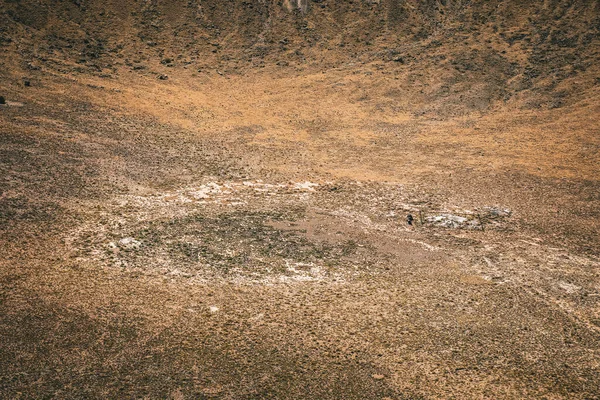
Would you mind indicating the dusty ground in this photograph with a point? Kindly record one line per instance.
(146, 256)
(240, 232)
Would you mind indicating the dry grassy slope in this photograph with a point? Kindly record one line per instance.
(471, 54)
(400, 78)
(442, 106)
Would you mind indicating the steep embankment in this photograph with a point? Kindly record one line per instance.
(468, 55)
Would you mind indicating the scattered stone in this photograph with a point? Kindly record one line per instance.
(309, 186)
(568, 287)
(163, 77)
(497, 212)
(409, 219)
(2, 100)
(213, 309)
(206, 191)
(448, 220)
(378, 376)
(113, 247)
(6, 103)
(27, 83)
(130, 243)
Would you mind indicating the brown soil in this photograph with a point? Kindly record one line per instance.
(208, 199)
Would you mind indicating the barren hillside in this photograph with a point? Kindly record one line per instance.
(210, 199)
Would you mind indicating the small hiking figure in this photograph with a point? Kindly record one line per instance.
(409, 219)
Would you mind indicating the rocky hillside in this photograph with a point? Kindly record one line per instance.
(453, 54)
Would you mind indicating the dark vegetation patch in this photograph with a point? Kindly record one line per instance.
(241, 242)
(52, 351)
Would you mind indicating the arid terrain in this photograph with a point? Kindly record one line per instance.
(208, 199)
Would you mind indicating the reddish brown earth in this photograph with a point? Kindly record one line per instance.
(237, 229)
